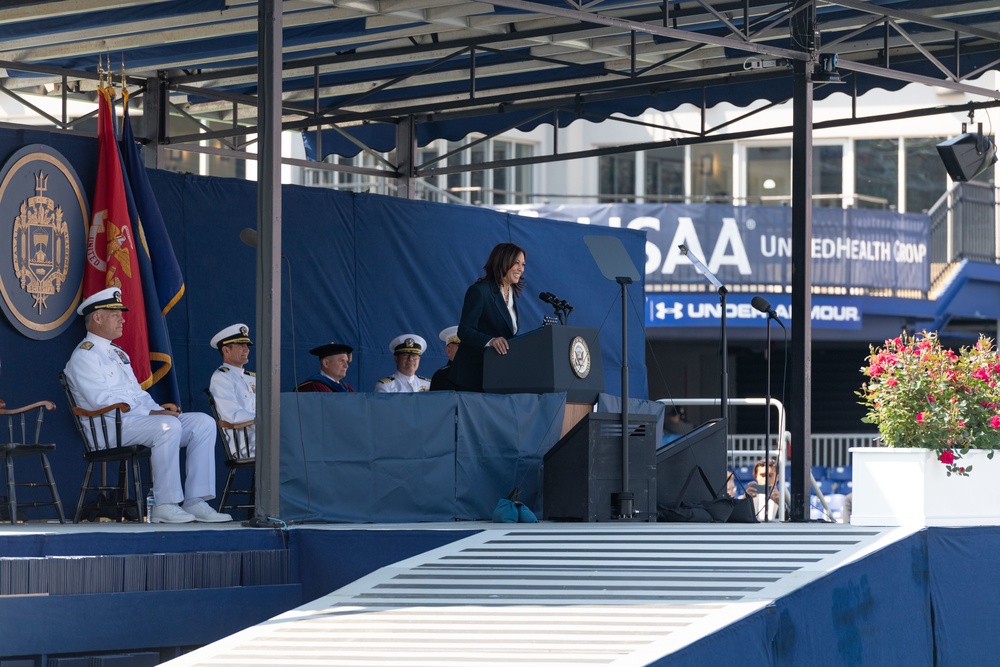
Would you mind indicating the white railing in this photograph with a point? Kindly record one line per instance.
(828, 449)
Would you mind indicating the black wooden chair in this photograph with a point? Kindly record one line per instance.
(24, 444)
(101, 431)
(237, 441)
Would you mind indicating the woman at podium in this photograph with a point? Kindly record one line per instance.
(489, 314)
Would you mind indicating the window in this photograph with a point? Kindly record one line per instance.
(876, 172)
(503, 185)
(769, 175)
(665, 174)
(616, 177)
(712, 172)
(926, 177)
(828, 176)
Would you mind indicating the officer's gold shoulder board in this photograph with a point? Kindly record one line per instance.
(385, 380)
(86, 345)
(250, 373)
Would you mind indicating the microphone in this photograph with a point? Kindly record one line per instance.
(761, 304)
(249, 237)
(556, 302)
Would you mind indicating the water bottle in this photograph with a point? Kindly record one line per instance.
(150, 503)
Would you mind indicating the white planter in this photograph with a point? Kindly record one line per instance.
(910, 487)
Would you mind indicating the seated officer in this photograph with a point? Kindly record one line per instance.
(440, 380)
(100, 374)
(334, 358)
(406, 350)
(233, 387)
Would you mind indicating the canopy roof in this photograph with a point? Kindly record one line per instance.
(460, 66)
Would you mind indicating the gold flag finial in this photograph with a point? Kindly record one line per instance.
(124, 86)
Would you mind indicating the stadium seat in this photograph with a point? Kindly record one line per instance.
(819, 473)
(745, 474)
(839, 473)
(844, 487)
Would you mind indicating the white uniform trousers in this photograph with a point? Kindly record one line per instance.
(165, 435)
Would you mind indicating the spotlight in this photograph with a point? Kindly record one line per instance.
(967, 155)
(826, 70)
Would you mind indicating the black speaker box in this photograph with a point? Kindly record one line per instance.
(967, 155)
(679, 459)
(583, 471)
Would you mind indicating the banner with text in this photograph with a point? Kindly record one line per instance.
(703, 310)
(753, 244)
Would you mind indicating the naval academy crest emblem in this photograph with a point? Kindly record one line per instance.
(43, 213)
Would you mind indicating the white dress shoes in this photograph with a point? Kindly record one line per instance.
(201, 511)
(170, 513)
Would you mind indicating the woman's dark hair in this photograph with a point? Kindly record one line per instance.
(500, 261)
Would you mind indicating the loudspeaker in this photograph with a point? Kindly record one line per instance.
(678, 460)
(967, 155)
(583, 471)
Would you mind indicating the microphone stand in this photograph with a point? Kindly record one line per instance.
(724, 397)
(767, 422)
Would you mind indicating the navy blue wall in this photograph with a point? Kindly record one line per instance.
(359, 269)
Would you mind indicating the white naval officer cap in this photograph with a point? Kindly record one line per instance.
(106, 299)
(236, 333)
(449, 335)
(408, 344)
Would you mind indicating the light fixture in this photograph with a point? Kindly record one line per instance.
(769, 184)
(967, 155)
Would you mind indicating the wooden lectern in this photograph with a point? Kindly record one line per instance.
(554, 358)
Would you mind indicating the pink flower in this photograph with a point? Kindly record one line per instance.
(920, 417)
(930, 398)
(892, 382)
(995, 421)
(981, 373)
(947, 457)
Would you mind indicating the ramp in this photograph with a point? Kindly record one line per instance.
(552, 595)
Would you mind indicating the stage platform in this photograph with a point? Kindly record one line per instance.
(621, 594)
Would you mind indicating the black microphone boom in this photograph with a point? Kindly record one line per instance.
(556, 302)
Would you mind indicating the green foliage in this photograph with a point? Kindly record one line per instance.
(921, 394)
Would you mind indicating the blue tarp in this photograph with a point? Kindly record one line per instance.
(393, 458)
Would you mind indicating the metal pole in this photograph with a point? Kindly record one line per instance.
(267, 423)
(626, 500)
(799, 417)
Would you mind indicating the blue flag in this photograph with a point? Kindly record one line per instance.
(162, 283)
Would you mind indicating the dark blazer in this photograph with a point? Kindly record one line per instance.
(484, 316)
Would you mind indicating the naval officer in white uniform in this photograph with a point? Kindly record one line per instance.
(406, 350)
(233, 387)
(99, 374)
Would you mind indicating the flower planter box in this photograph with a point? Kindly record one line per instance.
(910, 487)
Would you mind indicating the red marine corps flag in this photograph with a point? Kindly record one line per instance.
(111, 246)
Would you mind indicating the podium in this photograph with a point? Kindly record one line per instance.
(551, 359)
